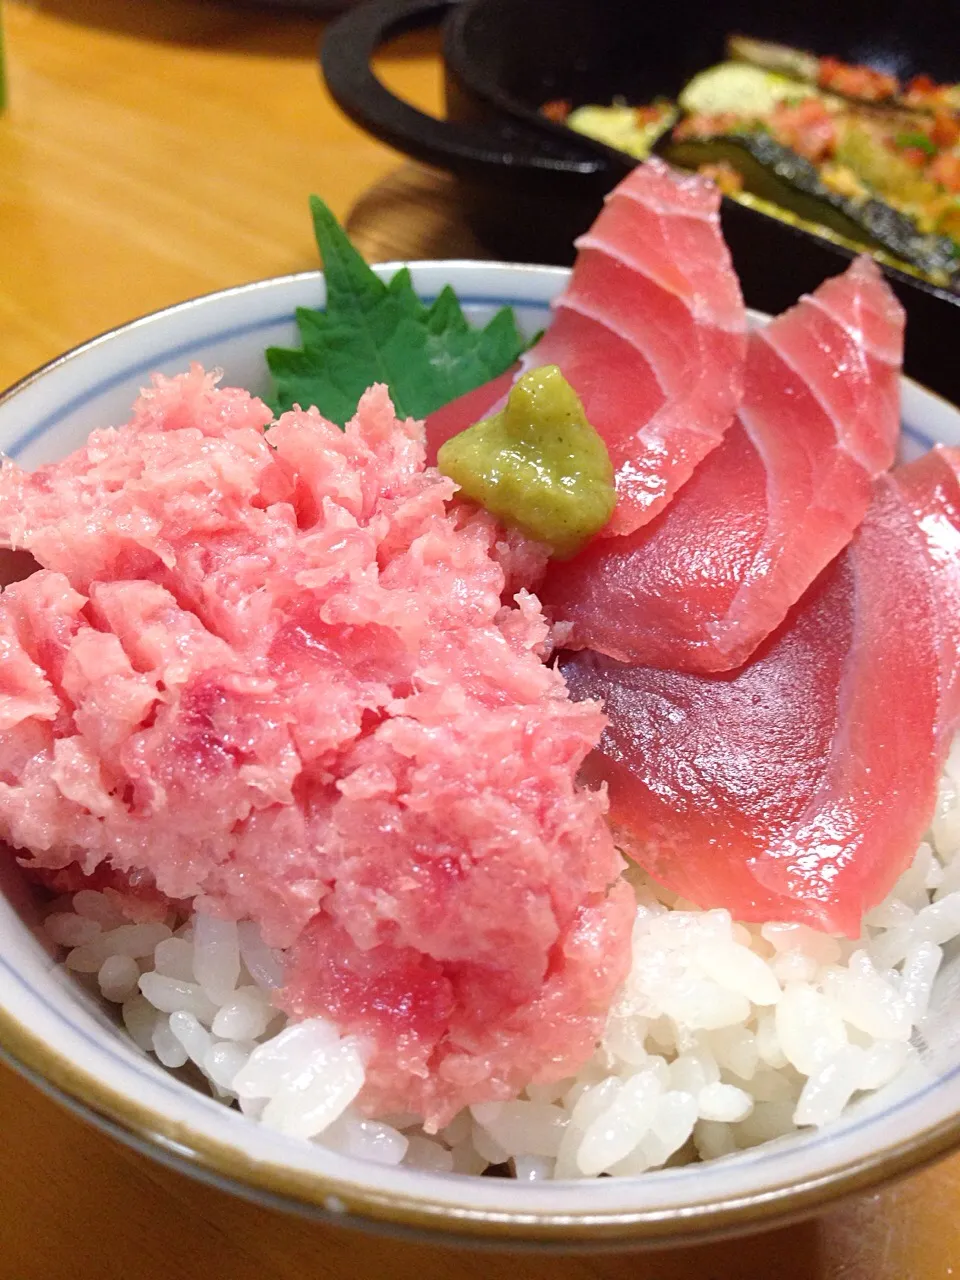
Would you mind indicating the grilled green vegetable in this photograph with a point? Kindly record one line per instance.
(796, 63)
(780, 176)
(629, 129)
(754, 91)
(739, 89)
(888, 173)
(807, 68)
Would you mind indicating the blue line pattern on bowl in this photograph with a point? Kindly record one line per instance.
(143, 369)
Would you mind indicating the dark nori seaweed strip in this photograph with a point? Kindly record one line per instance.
(775, 173)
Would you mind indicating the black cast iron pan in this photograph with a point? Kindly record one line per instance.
(531, 186)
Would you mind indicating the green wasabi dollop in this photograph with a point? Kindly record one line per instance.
(537, 464)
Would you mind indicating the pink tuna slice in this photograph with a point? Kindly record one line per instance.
(269, 673)
(799, 787)
(701, 586)
(651, 331)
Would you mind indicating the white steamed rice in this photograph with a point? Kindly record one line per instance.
(724, 1036)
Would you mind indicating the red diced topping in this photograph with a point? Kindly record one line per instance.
(557, 111)
(946, 170)
(806, 127)
(856, 82)
(946, 130)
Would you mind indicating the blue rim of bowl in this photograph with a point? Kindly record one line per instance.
(179, 1145)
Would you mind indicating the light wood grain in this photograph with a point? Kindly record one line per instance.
(156, 149)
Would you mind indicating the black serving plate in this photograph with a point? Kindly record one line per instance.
(531, 186)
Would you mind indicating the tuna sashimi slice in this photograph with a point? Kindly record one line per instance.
(651, 331)
(701, 586)
(799, 787)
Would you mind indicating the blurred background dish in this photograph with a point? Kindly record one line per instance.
(530, 184)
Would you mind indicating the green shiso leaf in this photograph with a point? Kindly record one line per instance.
(371, 331)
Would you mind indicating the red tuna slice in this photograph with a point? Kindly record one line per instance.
(651, 332)
(799, 787)
(702, 585)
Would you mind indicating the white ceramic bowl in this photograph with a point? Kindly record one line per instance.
(66, 1041)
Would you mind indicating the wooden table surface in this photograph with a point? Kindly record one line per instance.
(153, 150)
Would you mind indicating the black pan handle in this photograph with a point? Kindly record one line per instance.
(346, 56)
